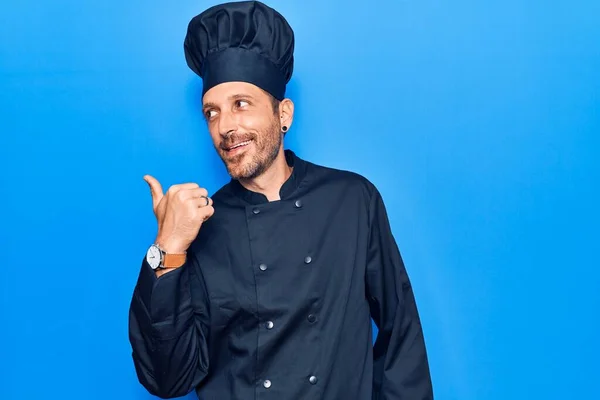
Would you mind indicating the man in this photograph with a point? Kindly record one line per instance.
(266, 290)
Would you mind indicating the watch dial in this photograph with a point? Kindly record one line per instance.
(153, 257)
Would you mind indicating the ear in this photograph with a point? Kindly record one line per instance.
(286, 113)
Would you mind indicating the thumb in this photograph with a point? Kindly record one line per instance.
(156, 190)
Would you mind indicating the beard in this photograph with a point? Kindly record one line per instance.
(252, 162)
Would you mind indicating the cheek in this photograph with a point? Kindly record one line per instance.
(260, 126)
(258, 120)
(214, 134)
(249, 124)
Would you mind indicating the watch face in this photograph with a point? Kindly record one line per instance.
(153, 257)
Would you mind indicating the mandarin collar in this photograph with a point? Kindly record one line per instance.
(287, 189)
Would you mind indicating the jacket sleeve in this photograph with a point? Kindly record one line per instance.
(168, 330)
(401, 368)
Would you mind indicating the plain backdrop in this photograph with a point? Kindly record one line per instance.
(477, 120)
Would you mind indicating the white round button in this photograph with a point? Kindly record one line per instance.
(267, 383)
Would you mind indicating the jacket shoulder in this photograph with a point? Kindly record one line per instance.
(342, 178)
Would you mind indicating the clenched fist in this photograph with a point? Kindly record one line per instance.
(180, 213)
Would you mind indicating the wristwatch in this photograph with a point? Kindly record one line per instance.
(158, 258)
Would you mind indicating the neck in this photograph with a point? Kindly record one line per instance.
(269, 183)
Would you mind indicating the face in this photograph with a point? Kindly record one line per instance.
(245, 128)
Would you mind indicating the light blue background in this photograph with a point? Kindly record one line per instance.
(478, 121)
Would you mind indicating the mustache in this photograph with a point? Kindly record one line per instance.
(233, 139)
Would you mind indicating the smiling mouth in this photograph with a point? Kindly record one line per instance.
(237, 146)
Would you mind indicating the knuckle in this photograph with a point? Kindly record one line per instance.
(180, 195)
(191, 207)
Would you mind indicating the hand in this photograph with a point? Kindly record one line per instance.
(179, 213)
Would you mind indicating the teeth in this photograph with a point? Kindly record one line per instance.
(240, 144)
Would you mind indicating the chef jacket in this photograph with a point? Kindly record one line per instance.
(276, 298)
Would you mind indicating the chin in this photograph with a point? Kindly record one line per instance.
(246, 169)
(250, 164)
(240, 168)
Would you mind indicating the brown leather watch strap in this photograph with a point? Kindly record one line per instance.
(173, 260)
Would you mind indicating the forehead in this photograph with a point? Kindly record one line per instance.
(229, 91)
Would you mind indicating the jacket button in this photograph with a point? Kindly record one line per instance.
(267, 383)
(312, 379)
(307, 259)
(269, 324)
(256, 211)
(312, 318)
(298, 203)
(263, 267)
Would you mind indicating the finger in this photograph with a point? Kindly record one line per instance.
(182, 186)
(156, 190)
(206, 212)
(191, 193)
(206, 202)
(188, 194)
(201, 201)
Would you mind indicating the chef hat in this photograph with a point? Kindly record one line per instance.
(244, 41)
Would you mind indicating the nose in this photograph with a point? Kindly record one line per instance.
(227, 123)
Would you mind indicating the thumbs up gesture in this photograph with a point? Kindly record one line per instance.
(180, 213)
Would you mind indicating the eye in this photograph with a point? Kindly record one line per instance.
(210, 113)
(241, 103)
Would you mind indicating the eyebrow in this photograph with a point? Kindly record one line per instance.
(230, 98)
